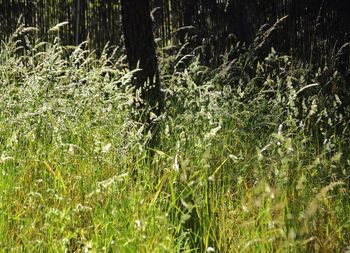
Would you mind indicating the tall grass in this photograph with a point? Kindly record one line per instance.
(251, 157)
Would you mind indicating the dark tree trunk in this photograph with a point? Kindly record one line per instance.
(188, 16)
(141, 51)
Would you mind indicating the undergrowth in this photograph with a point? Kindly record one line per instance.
(252, 156)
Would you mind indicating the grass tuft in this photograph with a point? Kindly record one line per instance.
(252, 156)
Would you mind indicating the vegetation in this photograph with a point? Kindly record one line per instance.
(252, 157)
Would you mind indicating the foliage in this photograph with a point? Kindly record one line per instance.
(251, 156)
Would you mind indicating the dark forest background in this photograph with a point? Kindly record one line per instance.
(312, 27)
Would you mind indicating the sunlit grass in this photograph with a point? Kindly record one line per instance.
(234, 171)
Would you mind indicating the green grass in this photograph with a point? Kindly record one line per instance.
(235, 170)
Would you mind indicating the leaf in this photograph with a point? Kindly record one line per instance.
(336, 158)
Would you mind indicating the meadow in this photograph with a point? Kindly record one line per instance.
(250, 156)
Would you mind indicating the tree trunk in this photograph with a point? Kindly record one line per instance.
(141, 52)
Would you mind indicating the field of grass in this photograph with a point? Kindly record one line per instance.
(243, 164)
